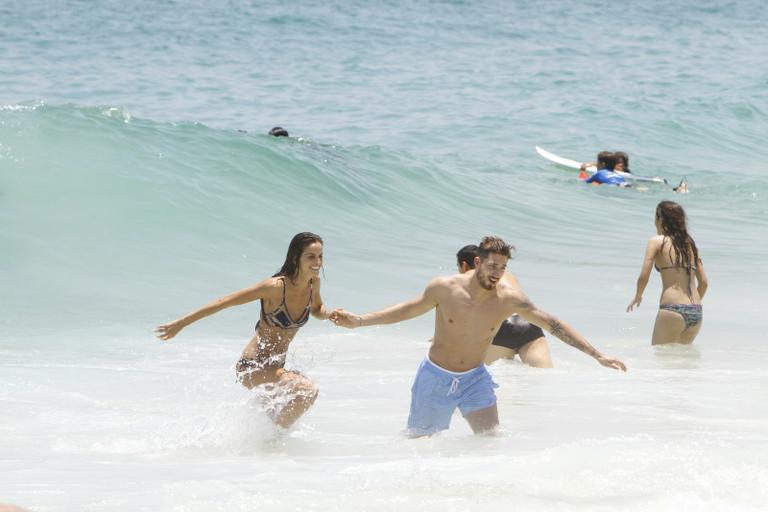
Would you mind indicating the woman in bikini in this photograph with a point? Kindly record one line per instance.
(287, 299)
(675, 256)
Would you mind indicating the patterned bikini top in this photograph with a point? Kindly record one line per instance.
(659, 269)
(281, 318)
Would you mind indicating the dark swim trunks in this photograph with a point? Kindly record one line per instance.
(516, 332)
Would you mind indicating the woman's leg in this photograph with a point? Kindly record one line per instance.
(252, 374)
(303, 393)
(669, 325)
(690, 333)
(300, 392)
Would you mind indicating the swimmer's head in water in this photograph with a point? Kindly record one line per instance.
(493, 253)
(278, 131)
(302, 243)
(606, 160)
(465, 258)
(622, 161)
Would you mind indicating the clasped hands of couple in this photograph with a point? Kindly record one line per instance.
(344, 318)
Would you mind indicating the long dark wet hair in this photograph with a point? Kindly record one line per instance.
(674, 225)
(290, 268)
(620, 155)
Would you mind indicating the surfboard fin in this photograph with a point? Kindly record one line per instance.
(682, 187)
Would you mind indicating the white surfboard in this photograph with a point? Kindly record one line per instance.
(573, 164)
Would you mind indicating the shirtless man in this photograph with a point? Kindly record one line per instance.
(515, 336)
(469, 308)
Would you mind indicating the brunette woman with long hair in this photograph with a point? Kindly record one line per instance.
(684, 282)
(287, 300)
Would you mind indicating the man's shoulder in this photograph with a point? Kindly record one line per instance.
(508, 289)
(510, 293)
(449, 281)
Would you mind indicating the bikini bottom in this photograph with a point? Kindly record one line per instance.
(691, 313)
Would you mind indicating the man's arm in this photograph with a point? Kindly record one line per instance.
(563, 332)
(397, 313)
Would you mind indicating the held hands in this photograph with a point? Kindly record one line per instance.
(344, 318)
(635, 303)
(611, 363)
(169, 330)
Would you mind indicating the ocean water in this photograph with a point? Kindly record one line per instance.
(137, 184)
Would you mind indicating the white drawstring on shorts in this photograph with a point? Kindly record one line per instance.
(454, 386)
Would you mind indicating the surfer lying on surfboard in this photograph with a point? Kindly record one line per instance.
(573, 164)
(605, 174)
(609, 165)
(622, 162)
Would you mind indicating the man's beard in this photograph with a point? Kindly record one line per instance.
(483, 280)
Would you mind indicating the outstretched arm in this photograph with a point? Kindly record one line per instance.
(397, 313)
(651, 250)
(257, 291)
(565, 333)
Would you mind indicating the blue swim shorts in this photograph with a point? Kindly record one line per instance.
(437, 392)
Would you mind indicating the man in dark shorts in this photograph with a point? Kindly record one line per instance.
(515, 336)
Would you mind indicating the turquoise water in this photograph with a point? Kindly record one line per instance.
(137, 183)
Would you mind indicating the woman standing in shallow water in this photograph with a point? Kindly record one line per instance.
(675, 256)
(287, 299)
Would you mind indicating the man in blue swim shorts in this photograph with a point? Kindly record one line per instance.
(469, 308)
